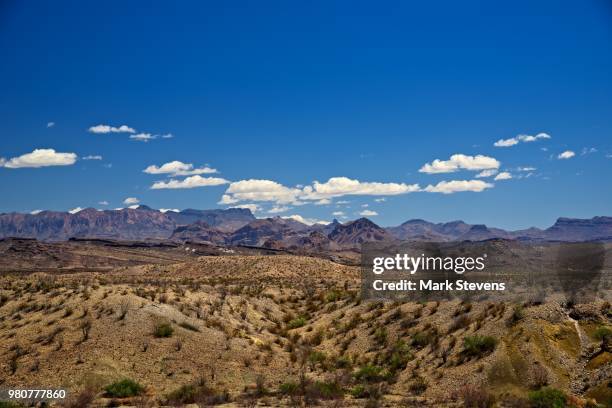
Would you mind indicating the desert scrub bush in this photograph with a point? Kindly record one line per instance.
(359, 391)
(602, 332)
(478, 346)
(198, 393)
(422, 339)
(289, 388)
(380, 336)
(162, 330)
(83, 399)
(548, 397)
(297, 323)
(518, 314)
(418, 385)
(85, 327)
(10, 404)
(326, 390)
(460, 322)
(317, 358)
(476, 397)
(370, 373)
(123, 389)
(124, 308)
(399, 356)
(333, 296)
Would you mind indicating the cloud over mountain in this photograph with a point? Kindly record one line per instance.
(456, 186)
(189, 182)
(320, 193)
(178, 168)
(342, 186)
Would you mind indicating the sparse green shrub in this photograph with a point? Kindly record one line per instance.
(399, 356)
(370, 373)
(163, 329)
(328, 390)
(359, 391)
(289, 388)
(316, 357)
(296, 323)
(9, 404)
(548, 397)
(518, 314)
(421, 339)
(124, 388)
(380, 336)
(602, 332)
(478, 345)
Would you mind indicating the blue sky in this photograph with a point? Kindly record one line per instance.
(345, 94)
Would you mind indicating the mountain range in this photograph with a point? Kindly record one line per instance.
(239, 227)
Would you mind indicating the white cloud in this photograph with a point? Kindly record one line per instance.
(50, 124)
(609, 156)
(92, 157)
(189, 182)
(321, 193)
(338, 213)
(165, 210)
(460, 162)
(527, 168)
(103, 202)
(34, 212)
(278, 209)
(568, 154)
(131, 200)
(380, 200)
(455, 186)
(307, 221)
(506, 142)
(521, 138)
(134, 207)
(143, 137)
(504, 175)
(365, 205)
(75, 210)
(588, 150)
(259, 190)
(102, 129)
(487, 173)
(342, 202)
(342, 186)
(40, 158)
(368, 213)
(167, 136)
(253, 207)
(178, 168)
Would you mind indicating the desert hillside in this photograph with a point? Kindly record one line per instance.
(286, 331)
